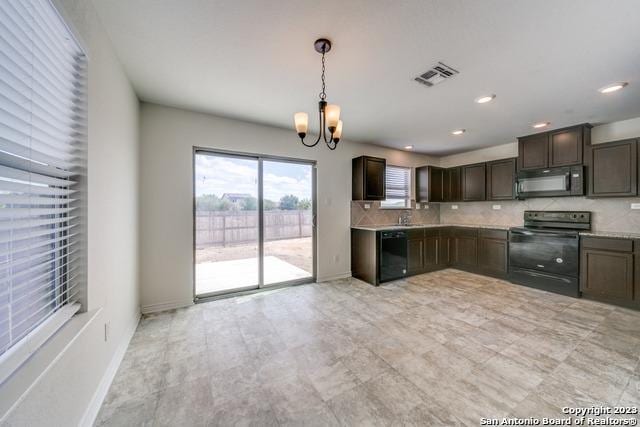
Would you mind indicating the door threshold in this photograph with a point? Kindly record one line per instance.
(218, 296)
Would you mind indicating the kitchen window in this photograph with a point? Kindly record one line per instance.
(398, 188)
(42, 173)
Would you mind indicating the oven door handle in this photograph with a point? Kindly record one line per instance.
(544, 234)
(535, 274)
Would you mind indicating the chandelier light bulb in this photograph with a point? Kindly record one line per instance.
(332, 115)
(338, 132)
(301, 122)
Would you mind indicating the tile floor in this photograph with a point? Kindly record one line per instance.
(444, 348)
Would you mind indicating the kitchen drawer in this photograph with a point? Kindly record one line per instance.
(431, 232)
(493, 234)
(607, 244)
(465, 232)
(415, 233)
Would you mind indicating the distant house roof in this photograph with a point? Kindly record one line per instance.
(234, 197)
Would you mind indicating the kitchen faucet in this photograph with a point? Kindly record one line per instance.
(404, 218)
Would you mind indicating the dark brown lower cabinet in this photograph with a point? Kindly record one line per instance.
(481, 251)
(415, 256)
(431, 243)
(364, 255)
(465, 248)
(423, 250)
(444, 249)
(493, 250)
(607, 270)
(636, 255)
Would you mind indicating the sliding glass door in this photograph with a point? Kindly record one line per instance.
(288, 221)
(226, 223)
(254, 222)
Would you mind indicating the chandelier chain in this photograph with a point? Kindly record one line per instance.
(323, 95)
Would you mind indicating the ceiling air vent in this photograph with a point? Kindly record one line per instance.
(436, 74)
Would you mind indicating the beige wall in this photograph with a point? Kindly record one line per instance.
(167, 138)
(67, 376)
(614, 131)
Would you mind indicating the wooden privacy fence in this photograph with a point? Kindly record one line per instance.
(227, 228)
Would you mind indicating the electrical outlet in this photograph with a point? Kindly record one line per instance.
(454, 207)
(497, 207)
(336, 259)
(635, 205)
(426, 206)
(367, 205)
(417, 206)
(107, 331)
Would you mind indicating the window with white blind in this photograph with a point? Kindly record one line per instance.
(398, 187)
(42, 168)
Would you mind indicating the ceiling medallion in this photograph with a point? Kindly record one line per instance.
(329, 114)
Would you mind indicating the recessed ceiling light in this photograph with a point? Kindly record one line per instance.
(484, 99)
(458, 132)
(613, 87)
(408, 147)
(541, 125)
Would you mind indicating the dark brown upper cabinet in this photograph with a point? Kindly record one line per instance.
(612, 169)
(501, 176)
(452, 190)
(556, 148)
(565, 147)
(533, 152)
(368, 178)
(429, 184)
(473, 182)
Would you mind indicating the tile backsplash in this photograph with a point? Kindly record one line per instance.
(607, 214)
(378, 216)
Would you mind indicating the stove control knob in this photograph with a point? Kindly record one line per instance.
(559, 260)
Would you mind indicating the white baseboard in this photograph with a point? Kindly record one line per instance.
(92, 411)
(334, 277)
(164, 306)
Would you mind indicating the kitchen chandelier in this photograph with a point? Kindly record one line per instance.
(329, 114)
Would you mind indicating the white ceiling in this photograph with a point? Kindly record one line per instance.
(254, 60)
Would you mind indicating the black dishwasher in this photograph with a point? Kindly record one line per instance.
(393, 255)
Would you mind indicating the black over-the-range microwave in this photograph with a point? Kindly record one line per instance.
(552, 182)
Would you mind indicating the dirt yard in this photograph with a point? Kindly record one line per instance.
(298, 252)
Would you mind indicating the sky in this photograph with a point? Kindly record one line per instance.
(219, 174)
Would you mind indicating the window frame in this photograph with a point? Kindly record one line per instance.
(66, 263)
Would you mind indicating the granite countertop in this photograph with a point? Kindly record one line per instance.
(409, 227)
(615, 234)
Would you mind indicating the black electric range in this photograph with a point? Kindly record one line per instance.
(545, 253)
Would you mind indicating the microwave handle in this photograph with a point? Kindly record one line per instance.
(567, 181)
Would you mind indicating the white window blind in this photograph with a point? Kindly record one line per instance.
(398, 187)
(42, 161)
